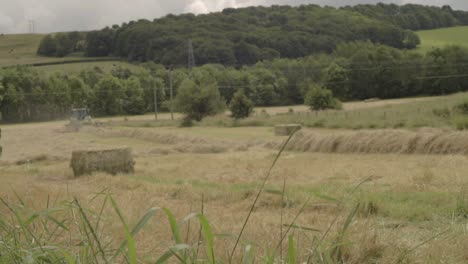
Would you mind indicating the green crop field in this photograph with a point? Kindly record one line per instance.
(442, 37)
(21, 49)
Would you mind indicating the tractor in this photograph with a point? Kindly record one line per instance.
(78, 118)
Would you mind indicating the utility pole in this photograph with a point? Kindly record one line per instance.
(155, 98)
(32, 26)
(171, 93)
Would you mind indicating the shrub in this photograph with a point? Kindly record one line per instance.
(318, 98)
(186, 122)
(197, 102)
(241, 106)
(461, 108)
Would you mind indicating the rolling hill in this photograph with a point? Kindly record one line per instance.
(20, 49)
(443, 37)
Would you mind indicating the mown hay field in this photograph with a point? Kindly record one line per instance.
(411, 207)
(438, 38)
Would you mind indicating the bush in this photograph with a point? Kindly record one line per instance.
(241, 106)
(318, 98)
(197, 102)
(461, 108)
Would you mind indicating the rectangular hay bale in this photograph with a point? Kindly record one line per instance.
(286, 129)
(110, 161)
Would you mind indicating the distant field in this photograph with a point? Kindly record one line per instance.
(21, 49)
(106, 66)
(442, 37)
(394, 113)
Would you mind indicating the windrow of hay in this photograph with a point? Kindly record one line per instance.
(179, 143)
(424, 141)
(146, 134)
(111, 161)
(38, 158)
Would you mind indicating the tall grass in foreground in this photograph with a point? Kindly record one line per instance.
(67, 232)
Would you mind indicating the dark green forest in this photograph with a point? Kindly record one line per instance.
(247, 35)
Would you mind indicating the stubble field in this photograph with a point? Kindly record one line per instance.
(409, 207)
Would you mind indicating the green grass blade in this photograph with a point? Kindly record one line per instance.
(143, 221)
(58, 223)
(87, 225)
(172, 252)
(262, 187)
(174, 226)
(291, 253)
(67, 257)
(132, 258)
(208, 235)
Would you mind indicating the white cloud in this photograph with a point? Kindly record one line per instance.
(67, 15)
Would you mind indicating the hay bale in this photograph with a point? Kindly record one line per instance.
(286, 130)
(111, 161)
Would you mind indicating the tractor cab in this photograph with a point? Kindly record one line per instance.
(80, 114)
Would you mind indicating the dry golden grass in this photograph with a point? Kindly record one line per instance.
(406, 199)
(421, 141)
(346, 106)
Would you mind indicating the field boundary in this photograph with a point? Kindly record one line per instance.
(40, 64)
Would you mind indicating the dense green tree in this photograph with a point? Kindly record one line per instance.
(81, 94)
(198, 101)
(318, 98)
(240, 106)
(99, 43)
(48, 46)
(336, 79)
(134, 102)
(61, 44)
(109, 96)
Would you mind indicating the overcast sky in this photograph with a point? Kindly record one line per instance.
(68, 15)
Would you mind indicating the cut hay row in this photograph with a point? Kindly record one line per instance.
(424, 141)
(178, 143)
(151, 135)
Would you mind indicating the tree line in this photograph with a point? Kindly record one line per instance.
(354, 71)
(242, 36)
(62, 44)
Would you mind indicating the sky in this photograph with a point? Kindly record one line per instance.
(69, 15)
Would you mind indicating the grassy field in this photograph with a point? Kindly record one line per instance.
(442, 37)
(21, 49)
(408, 113)
(409, 208)
(106, 66)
